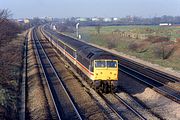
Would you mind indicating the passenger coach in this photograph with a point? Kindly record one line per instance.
(97, 66)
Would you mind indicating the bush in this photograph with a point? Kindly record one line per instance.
(133, 46)
(111, 44)
(157, 39)
(164, 50)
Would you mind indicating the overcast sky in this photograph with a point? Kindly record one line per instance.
(91, 8)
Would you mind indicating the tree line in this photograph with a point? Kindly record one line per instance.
(129, 20)
(8, 28)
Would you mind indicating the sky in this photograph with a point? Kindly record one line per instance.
(91, 8)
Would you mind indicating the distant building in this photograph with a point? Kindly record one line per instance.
(95, 19)
(165, 24)
(115, 19)
(82, 19)
(107, 19)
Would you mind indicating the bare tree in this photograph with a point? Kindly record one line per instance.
(8, 28)
(4, 15)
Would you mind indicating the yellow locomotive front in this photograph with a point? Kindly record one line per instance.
(105, 74)
(106, 70)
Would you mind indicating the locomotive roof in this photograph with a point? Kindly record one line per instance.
(90, 52)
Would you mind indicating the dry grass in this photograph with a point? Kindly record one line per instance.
(11, 52)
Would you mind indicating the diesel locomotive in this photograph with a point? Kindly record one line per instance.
(97, 66)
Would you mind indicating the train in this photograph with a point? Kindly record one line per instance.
(98, 67)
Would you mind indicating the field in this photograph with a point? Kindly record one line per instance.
(156, 44)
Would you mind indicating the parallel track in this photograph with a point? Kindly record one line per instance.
(112, 108)
(159, 74)
(64, 105)
(158, 86)
(119, 107)
(129, 107)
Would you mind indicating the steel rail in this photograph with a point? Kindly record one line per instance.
(77, 113)
(150, 84)
(107, 103)
(70, 99)
(129, 107)
(158, 73)
(44, 74)
(159, 82)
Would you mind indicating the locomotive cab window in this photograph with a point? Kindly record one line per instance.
(100, 63)
(105, 63)
(112, 64)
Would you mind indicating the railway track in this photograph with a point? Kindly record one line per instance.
(120, 107)
(156, 74)
(158, 86)
(63, 102)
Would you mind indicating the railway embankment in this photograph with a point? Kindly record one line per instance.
(11, 61)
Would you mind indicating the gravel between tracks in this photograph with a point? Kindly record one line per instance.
(87, 106)
(161, 106)
(138, 107)
(121, 108)
(36, 101)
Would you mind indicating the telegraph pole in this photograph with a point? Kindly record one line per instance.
(77, 30)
